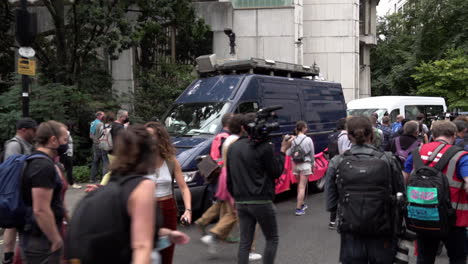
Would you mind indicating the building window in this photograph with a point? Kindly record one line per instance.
(260, 3)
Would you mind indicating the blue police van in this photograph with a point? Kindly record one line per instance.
(241, 87)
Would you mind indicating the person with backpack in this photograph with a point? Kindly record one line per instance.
(302, 154)
(402, 146)
(167, 170)
(378, 137)
(97, 153)
(123, 227)
(338, 143)
(438, 195)
(20, 144)
(41, 189)
(364, 183)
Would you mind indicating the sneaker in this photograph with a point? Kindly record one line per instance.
(304, 207)
(211, 242)
(254, 256)
(300, 212)
(76, 186)
(332, 226)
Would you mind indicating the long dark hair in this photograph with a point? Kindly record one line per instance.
(134, 152)
(165, 148)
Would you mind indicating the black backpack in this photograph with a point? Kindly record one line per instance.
(333, 144)
(99, 231)
(366, 205)
(429, 209)
(297, 152)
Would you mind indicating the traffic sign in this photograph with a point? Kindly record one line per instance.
(26, 66)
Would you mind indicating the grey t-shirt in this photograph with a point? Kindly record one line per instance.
(307, 145)
(343, 142)
(16, 146)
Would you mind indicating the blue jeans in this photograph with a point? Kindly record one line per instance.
(265, 215)
(455, 244)
(357, 249)
(98, 156)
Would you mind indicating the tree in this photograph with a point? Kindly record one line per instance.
(446, 78)
(424, 31)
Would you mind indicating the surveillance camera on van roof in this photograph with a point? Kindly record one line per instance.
(207, 65)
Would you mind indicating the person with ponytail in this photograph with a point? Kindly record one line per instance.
(304, 169)
(357, 183)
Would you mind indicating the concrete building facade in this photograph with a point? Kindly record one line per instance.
(335, 34)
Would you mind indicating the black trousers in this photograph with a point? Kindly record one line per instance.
(357, 249)
(67, 162)
(455, 243)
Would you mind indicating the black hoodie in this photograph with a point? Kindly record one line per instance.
(252, 168)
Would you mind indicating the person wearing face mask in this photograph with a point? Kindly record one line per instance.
(21, 143)
(41, 187)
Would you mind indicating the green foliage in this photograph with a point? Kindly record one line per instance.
(446, 77)
(81, 174)
(423, 31)
(158, 89)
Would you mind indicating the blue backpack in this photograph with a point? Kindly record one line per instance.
(12, 208)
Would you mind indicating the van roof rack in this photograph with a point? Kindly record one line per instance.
(208, 66)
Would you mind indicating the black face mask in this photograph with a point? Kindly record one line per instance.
(62, 149)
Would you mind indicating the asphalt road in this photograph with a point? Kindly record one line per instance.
(303, 239)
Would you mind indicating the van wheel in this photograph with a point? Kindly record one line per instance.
(318, 185)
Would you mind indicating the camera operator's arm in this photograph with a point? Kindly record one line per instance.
(274, 164)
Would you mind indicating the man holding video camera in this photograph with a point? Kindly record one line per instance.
(252, 168)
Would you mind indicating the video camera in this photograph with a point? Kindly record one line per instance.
(265, 122)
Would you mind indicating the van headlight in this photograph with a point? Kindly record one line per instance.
(189, 175)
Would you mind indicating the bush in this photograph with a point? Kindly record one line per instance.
(81, 174)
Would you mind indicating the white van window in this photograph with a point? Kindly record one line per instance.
(412, 111)
(366, 112)
(394, 114)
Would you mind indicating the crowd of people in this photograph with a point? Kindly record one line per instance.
(371, 166)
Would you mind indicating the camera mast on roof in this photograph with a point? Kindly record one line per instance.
(208, 66)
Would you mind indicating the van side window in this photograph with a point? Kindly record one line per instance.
(433, 110)
(247, 107)
(394, 114)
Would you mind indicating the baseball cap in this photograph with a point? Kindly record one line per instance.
(26, 122)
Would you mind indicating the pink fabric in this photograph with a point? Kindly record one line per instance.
(222, 193)
(320, 167)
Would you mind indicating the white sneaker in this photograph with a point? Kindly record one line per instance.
(76, 186)
(210, 241)
(254, 256)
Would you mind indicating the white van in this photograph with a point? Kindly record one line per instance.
(408, 106)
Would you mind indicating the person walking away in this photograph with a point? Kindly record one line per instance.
(358, 184)
(402, 146)
(67, 161)
(117, 126)
(456, 171)
(342, 145)
(41, 187)
(302, 153)
(462, 133)
(21, 143)
(97, 154)
(126, 240)
(167, 170)
(252, 169)
(387, 132)
(397, 125)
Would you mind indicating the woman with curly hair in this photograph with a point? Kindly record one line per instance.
(167, 170)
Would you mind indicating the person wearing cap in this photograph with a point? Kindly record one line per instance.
(21, 143)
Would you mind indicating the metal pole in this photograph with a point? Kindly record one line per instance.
(25, 94)
(25, 80)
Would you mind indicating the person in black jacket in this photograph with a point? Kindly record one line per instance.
(252, 168)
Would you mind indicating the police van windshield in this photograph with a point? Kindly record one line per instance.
(193, 119)
(366, 112)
